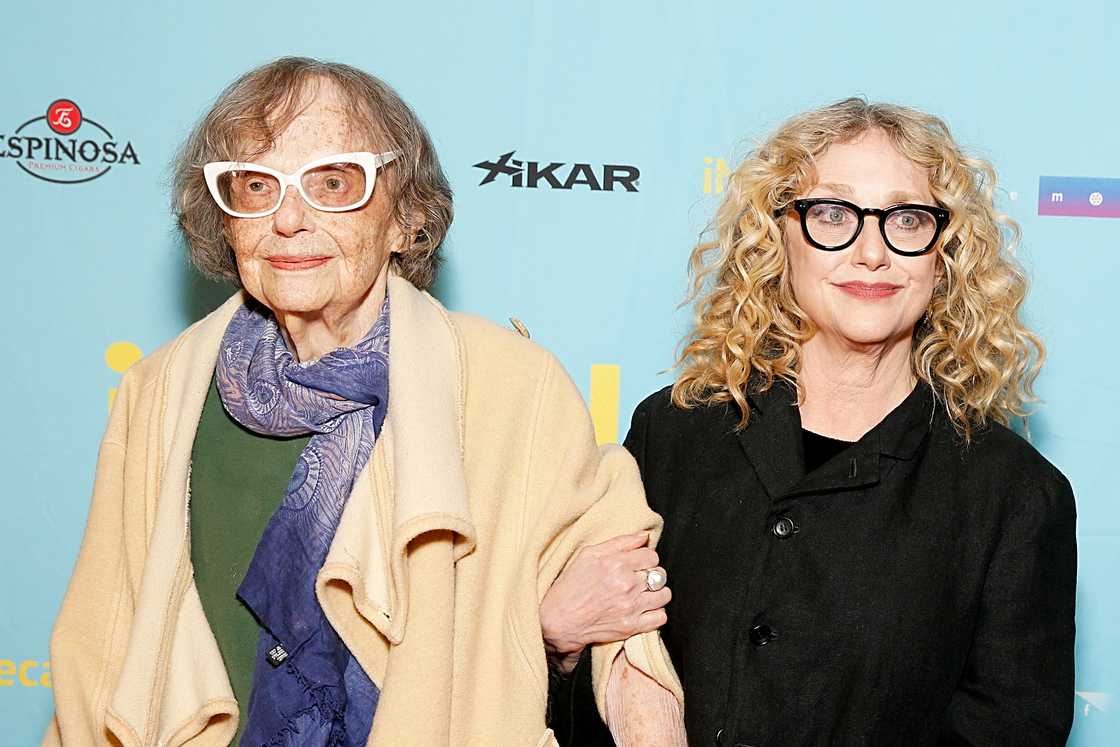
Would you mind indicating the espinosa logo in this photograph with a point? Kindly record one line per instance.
(43, 146)
(559, 175)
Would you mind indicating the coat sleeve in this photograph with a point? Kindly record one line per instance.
(573, 714)
(1018, 678)
(92, 625)
(580, 494)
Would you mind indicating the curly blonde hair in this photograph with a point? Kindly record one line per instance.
(971, 347)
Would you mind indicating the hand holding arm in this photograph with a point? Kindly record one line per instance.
(601, 597)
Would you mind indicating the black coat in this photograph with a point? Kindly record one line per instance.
(911, 591)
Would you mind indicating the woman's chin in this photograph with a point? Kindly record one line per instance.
(871, 334)
(293, 298)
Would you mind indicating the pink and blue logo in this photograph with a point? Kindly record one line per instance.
(1081, 196)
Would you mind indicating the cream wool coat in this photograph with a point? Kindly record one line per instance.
(484, 483)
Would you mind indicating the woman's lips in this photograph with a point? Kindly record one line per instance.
(288, 262)
(869, 290)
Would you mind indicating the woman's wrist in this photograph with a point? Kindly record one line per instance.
(561, 647)
(562, 656)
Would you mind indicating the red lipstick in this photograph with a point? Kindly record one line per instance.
(295, 262)
(868, 290)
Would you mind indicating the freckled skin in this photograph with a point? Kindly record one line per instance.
(332, 305)
(639, 711)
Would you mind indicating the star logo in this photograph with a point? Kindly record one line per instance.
(502, 166)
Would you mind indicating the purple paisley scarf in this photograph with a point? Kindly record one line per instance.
(308, 689)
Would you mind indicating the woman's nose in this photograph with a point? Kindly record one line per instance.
(870, 249)
(293, 215)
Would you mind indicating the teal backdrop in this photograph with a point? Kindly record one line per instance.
(94, 273)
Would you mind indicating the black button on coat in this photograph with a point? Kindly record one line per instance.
(927, 596)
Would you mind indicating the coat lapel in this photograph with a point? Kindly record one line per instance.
(415, 481)
(772, 442)
(897, 436)
(772, 439)
(391, 567)
(173, 679)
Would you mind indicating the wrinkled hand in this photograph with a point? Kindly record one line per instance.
(601, 597)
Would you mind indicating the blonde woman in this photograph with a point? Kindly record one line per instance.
(861, 550)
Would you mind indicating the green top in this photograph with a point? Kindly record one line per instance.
(238, 478)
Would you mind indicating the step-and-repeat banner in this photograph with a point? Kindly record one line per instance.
(94, 275)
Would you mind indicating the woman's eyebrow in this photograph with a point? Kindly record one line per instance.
(843, 189)
(904, 196)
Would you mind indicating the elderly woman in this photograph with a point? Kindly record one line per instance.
(861, 550)
(327, 513)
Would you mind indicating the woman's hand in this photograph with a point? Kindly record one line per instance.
(601, 597)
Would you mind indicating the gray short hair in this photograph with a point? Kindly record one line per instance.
(258, 106)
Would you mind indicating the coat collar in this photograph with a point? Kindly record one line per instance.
(419, 459)
(172, 681)
(772, 442)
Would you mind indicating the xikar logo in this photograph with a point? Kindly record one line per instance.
(560, 175)
(49, 147)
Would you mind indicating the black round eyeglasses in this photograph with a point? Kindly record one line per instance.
(909, 229)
